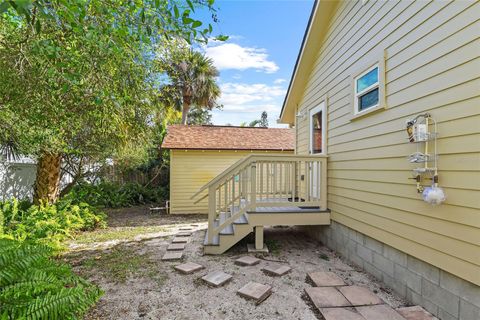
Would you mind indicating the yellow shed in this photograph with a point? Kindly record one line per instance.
(200, 153)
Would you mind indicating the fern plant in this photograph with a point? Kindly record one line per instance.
(34, 286)
(47, 223)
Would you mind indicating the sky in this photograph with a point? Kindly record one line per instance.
(257, 61)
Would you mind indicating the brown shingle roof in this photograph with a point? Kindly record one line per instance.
(228, 138)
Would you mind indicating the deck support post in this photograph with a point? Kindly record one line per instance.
(259, 237)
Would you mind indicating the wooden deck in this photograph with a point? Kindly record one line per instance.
(262, 206)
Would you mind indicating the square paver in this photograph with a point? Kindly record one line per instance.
(256, 291)
(379, 312)
(188, 267)
(341, 314)
(217, 278)
(176, 247)
(360, 296)
(180, 240)
(415, 313)
(276, 270)
(247, 261)
(172, 255)
(184, 234)
(326, 297)
(325, 279)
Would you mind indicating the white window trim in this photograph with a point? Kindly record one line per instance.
(366, 90)
(320, 108)
(365, 68)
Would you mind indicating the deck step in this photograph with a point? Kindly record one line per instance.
(241, 220)
(228, 230)
(215, 240)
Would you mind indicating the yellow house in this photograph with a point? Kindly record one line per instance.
(366, 71)
(385, 104)
(200, 153)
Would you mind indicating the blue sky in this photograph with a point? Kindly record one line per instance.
(256, 63)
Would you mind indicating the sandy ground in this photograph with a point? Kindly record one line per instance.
(138, 285)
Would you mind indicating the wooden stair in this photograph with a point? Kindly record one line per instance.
(264, 190)
(229, 236)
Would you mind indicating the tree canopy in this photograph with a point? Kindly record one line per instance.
(192, 79)
(76, 77)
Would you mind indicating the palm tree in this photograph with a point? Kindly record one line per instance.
(193, 82)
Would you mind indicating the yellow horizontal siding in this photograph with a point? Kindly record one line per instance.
(192, 169)
(432, 65)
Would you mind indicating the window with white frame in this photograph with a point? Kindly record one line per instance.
(367, 90)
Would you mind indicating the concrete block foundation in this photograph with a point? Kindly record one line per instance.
(441, 293)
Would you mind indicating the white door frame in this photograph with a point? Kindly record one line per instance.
(320, 108)
(315, 191)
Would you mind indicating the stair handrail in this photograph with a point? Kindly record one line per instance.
(237, 166)
(242, 163)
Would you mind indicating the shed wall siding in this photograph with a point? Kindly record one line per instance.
(192, 169)
(432, 51)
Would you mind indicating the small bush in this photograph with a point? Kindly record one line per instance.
(34, 286)
(113, 195)
(48, 223)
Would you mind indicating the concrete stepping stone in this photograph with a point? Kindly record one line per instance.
(360, 296)
(341, 314)
(184, 234)
(247, 261)
(326, 297)
(379, 312)
(276, 271)
(325, 279)
(189, 267)
(217, 278)
(180, 240)
(176, 247)
(415, 313)
(255, 291)
(172, 255)
(185, 229)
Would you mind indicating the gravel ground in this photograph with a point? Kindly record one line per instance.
(138, 285)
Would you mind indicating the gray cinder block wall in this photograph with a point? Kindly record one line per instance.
(441, 293)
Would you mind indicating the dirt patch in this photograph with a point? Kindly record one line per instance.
(141, 216)
(138, 285)
(134, 224)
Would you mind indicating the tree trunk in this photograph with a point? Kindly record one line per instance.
(185, 109)
(48, 178)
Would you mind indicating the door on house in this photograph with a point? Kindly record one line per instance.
(317, 146)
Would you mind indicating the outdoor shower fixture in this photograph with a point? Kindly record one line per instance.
(420, 133)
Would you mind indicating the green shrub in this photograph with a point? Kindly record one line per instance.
(48, 223)
(34, 286)
(113, 195)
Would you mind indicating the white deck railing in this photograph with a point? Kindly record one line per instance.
(264, 181)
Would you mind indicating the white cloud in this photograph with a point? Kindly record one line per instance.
(241, 96)
(234, 56)
(245, 102)
(279, 81)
